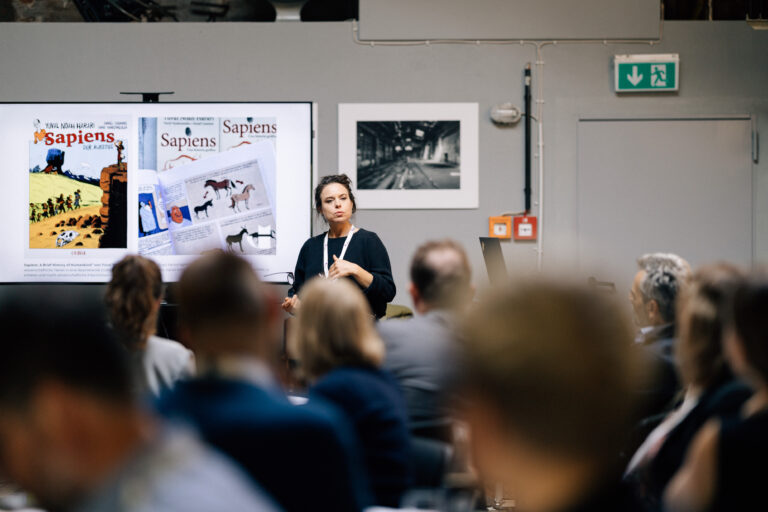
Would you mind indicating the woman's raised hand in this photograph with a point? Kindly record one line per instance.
(291, 304)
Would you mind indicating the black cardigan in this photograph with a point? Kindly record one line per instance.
(365, 250)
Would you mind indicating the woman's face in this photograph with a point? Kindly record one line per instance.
(335, 203)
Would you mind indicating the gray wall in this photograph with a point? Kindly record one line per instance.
(724, 70)
(505, 19)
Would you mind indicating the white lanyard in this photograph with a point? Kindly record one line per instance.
(343, 249)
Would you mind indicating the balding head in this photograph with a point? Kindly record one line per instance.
(440, 276)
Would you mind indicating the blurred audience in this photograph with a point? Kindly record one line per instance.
(546, 375)
(421, 351)
(723, 469)
(655, 288)
(304, 456)
(71, 433)
(133, 297)
(710, 388)
(340, 354)
(555, 394)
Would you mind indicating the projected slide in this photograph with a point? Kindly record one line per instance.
(93, 182)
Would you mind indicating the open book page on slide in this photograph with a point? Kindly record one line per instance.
(222, 202)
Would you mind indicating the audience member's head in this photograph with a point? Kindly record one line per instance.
(67, 413)
(701, 312)
(441, 277)
(746, 347)
(133, 298)
(225, 310)
(334, 328)
(655, 288)
(548, 374)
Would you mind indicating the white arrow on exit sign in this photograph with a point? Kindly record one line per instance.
(634, 78)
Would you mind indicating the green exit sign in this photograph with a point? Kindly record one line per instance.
(647, 73)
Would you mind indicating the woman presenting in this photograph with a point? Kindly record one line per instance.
(344, 250)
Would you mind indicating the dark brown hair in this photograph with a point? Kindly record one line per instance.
(341, 179)
(65, 339)
(131, 295)
(750, 322)
(221, 290)
(701, 311)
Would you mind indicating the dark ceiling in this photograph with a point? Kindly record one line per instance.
(721, 9)
(168, 10)
(313, 10)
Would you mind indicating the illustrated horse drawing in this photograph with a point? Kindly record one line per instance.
(203, 208)
(242, 197)
(269, 233)
(218, 185)
(236, 239)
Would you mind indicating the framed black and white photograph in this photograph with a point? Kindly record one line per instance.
(410, 155)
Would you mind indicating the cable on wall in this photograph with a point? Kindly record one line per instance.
(538, 78)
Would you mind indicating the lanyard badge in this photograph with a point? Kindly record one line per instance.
(343, 249)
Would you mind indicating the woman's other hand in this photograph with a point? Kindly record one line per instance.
(344, 268)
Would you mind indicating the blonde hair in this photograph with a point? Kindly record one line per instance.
(334, 328)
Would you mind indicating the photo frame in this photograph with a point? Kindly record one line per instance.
(410, 155)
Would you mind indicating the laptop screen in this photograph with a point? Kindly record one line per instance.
(494, 260)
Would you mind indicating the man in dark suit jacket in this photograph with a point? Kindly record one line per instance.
(304, 456)
(421, 350)
(655, 289)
